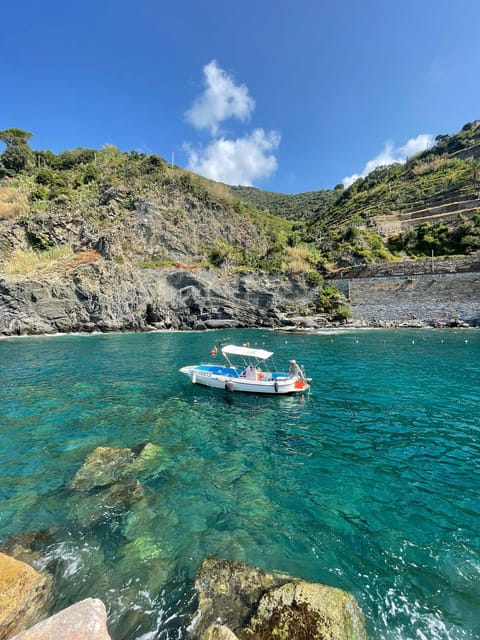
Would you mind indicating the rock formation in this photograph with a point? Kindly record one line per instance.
(85, 620)
(238, 600)
(24, 596)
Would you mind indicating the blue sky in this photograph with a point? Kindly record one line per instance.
(288, 96)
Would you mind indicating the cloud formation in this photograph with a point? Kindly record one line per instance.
(239, 161)
(391, 154)
(222, 99)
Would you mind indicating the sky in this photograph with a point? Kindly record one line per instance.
(285, 95)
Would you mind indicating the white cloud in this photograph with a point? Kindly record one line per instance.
(239, 161)
(222, 99)
(390, 154)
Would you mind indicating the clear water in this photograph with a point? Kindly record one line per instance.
(370, 483)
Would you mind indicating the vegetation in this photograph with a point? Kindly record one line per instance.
(307, 234)
(17, 155)
(439, 238)
(301, 206)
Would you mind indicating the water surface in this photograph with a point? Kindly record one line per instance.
(370, 482)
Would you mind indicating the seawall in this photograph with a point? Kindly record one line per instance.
(438, 296)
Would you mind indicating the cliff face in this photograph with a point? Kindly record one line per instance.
(133, 252)
(106, 297)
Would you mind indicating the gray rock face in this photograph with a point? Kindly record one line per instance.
(237, 599)
(86, 620)
(107, 297)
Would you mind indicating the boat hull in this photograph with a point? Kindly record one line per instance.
(231, 381)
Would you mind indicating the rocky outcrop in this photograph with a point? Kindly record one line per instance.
(307, 610)
(238, 600)
(85, 620)
(25, 595)
(107, 297)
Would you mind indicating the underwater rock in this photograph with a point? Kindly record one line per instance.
(253, 603)
(229, 592)
(85, 620)
(28, 546)
(25, 595)
(107, 465)
(307, 610)
(103, 504)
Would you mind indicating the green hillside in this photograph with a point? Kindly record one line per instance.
(150, 213)
(301, 206)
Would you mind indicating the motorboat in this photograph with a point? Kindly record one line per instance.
(245, 370)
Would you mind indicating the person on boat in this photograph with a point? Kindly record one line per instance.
(294, 370)
(251, 372)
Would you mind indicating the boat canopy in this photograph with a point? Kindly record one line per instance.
(259, 354)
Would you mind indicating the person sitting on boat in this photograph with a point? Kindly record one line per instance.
(251, 372)
(294, 370)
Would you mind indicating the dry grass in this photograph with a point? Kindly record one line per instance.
(13, 203)
(430, 165)
(84, 257)
(56, 260)
(296, 260)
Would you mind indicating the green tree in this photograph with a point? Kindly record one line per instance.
(17, 155)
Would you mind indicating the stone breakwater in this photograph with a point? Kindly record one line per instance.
(428, 291)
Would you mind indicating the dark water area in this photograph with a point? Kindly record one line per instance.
(370, 482)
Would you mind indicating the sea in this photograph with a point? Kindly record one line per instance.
(369, 482)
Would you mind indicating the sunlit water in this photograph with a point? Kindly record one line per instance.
(370, 483)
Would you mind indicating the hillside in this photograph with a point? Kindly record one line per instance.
(430, 203)
(111, 240)
(103, 239)
(300, 206)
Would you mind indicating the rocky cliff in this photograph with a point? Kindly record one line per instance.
(105, 297)
(143, 246)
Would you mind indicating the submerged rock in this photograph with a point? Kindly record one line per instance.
(85, 620)
(107, 465)
(28, 546)
(239, 600)
(105, 503)
(104, 466)
(25, 595)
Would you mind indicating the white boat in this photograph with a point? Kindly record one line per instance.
(250, 376)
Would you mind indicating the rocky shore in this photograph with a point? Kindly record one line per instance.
(105, 297)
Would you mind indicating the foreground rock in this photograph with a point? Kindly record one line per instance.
(86, 620)
(308, 610)
(25, 595)
(239, 600)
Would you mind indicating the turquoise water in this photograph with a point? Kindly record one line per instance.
(370, 483)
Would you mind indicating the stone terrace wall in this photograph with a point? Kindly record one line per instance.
(406, 290)
(413, 267)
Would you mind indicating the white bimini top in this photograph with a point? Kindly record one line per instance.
(233, 350)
